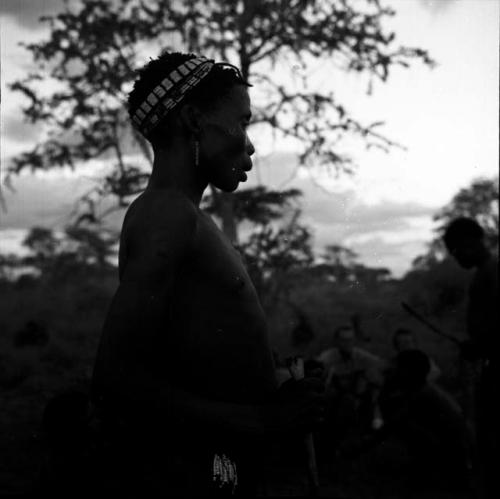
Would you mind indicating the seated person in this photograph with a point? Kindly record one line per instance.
(353, 377)
(427, 420)
(405, 339)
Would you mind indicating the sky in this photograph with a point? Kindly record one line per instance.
(447, 118)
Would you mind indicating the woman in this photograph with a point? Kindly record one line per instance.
(184, 366)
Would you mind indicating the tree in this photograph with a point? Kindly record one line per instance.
(277, 247)
(42, 243)
(370, 277)
(11, 267)
(478, 201)
(259, 206)
(339, 263)
(94, 46)
(273, 255)
(439, 289)
(77, 248)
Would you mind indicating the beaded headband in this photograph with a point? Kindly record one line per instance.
(169, 93)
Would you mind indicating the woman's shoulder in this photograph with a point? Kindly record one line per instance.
(162, 207)
(168, 197)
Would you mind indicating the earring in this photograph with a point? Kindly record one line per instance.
(196, 153)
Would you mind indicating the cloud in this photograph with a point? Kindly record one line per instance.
(437, 6)
(41, 201)
(27, 13)
(11, 242)
(347, 207)
(15, 129)
(393, 246)
(378, 252)
(387, 233)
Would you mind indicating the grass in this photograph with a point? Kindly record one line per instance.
(72, 314)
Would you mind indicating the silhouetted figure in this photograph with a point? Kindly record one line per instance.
(464, 239)
(428, 421)
(184, 375)
(405, 339)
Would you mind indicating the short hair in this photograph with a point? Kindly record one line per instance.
(401, 331)
(205, 95)
(462, 228)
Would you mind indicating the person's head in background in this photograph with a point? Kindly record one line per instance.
(412, 369)
(404, 339)
(195, 114)
(464, 240)
(345, 340)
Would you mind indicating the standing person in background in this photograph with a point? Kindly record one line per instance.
(464, 240)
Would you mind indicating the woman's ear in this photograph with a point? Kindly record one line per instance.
(191, 118)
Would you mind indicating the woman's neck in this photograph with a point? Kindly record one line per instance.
(175, 168)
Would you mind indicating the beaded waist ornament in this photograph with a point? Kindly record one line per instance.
(224, 472)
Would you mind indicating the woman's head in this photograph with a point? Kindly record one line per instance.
(206, 106)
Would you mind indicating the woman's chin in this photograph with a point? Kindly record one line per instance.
(228, 186)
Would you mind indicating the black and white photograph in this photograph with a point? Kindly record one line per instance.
(249, 248)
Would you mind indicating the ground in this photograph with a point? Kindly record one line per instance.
(31, 374)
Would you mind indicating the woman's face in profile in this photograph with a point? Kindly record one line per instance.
(225, 148)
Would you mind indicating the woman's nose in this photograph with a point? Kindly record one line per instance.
(249, 146)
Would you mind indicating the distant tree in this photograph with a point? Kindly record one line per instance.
(85, 68)
(478, 201)
(42, 242)
(275, 245)
(335, 254)
(437, 290)
(258, 206)
(339, 263)
(43, 245)
(10, 266)
(90, 246)
(370, 277)
(78, 247)
(274, 253)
